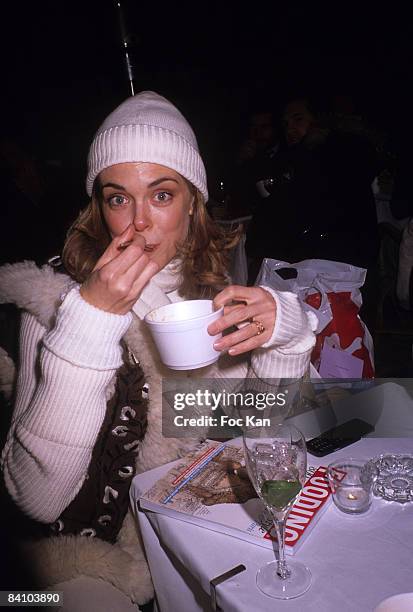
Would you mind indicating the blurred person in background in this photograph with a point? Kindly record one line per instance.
(320, 202)
(253, 160)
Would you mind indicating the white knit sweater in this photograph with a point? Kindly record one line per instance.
(63, 380)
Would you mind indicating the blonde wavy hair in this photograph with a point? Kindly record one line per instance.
(205, 254)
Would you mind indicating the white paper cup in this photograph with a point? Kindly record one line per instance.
(180, 333)
(397, 603)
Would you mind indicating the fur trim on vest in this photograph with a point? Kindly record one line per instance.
(39, 291)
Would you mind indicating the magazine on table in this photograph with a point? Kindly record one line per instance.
(210, 487)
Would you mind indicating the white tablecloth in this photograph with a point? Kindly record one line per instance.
(356, 561)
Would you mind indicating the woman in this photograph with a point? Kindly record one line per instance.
(144, 240)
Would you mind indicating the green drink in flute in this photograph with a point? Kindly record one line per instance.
(280, 493)
(276, 459)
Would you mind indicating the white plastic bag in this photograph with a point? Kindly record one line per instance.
(331, 290)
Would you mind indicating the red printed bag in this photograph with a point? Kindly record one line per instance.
(331, 290)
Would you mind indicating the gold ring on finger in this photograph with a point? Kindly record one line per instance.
(260, 327)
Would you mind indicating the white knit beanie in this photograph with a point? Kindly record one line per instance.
(147, 128)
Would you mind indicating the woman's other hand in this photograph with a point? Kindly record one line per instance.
(120, 275)
(252, 310)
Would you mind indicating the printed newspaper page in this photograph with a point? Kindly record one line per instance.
(222, 498)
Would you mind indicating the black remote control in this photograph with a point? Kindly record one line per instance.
(338, 437)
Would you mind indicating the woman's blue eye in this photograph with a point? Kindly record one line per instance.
(163, 196)
(117, 200)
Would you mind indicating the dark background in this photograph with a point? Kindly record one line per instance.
(64, 69)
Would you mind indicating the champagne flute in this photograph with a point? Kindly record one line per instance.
(276, 460)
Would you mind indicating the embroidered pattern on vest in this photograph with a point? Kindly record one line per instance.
(101, 505)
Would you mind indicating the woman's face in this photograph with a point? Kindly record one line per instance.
(154, 199)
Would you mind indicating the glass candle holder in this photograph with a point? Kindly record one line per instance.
(351, 484)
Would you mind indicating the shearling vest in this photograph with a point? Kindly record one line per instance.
(102, 503)
(39, 291)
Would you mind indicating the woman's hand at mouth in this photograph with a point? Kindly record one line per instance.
(120, 274)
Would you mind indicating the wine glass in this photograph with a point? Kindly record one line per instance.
(276, 459)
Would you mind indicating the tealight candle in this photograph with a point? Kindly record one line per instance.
(353, 499)
(352, 490)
